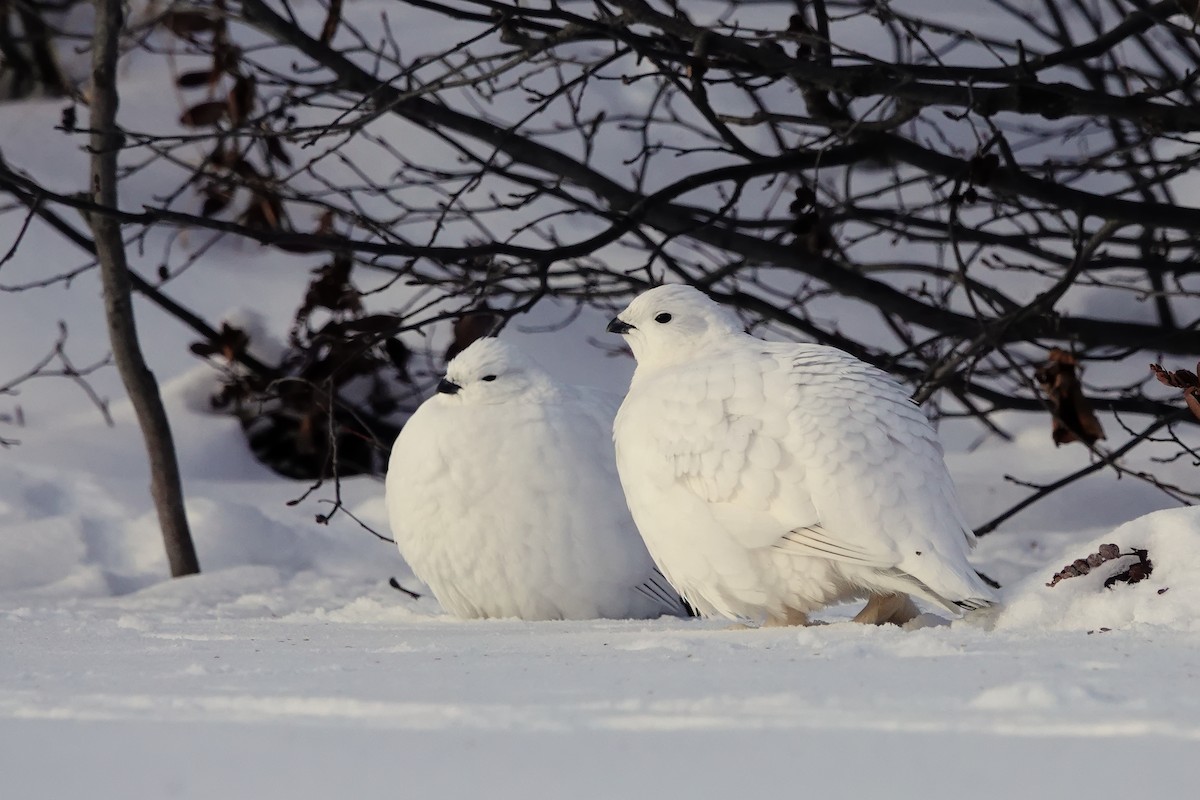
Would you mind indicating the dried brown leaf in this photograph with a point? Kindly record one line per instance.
(241, 99)
(185, 23)
(1179, 379)
(1082, 566)
(1192, 398)
(204, 114)
(192, 80)
(226, 57)
(325, 223)
(1190, 7)
(331, 21)
(1137, 571)
(222, 156)
(1073, 417)
(216, 198)
(399, 354)
(230, 343)
(331, 289)
(797, 24)
(265, 211)
(245, 169)
(805, 200)
(202, 349)
(276, 150)
(469, 327)
(1164, 377)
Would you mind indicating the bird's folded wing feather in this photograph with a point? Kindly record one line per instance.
(723, 443)
(871, 461)
(810, 451)
(814, 540)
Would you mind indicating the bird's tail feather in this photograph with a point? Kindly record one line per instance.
(960, 606)
(659, 589)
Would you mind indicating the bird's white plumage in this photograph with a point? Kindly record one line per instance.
(504, 498)
(770, 480)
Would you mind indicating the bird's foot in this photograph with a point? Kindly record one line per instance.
(793, 619)
(882, 609)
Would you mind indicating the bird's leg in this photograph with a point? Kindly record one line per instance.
(793, 618)
(881, 609)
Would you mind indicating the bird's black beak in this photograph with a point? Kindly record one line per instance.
(619, 326)
(448, 387)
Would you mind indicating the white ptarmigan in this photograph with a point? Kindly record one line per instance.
(503, 497)
(770, 480)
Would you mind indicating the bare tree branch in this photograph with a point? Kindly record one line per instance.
(165, 485)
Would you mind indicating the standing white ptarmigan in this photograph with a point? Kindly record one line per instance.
(770, 480)
(503, 497)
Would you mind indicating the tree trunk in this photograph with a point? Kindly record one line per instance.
(106, 142)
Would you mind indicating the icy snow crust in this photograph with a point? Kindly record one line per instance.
(291, 669)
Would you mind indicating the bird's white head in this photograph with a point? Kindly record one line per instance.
(673, 323)
(490, 371)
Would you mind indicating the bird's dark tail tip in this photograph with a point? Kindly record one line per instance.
(974, 603)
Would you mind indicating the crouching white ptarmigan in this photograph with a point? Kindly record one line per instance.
(770, 480)
(503, 497)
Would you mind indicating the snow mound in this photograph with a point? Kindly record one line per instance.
(1169, 597)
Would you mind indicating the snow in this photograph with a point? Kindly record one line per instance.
(1167, 599)
(235, 682)
(290, 668)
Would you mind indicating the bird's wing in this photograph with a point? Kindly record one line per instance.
(815, 540)
(872, 468)
(712, 435)
(809, 450)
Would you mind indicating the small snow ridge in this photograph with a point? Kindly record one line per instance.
(1021, 696)
(1168, 597)
(653, 643)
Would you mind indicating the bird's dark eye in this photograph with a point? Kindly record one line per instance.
(663, 318)
(488, 378)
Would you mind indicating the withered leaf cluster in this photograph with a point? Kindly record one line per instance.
(186, 24)
(1073, 417)
(230, 344)
(228, 165)
(332, 290)
(473, 325)
(1137, 571)
(980, 170)
(238, 103)
(810, 228)
(1181, 379)
(296, 419)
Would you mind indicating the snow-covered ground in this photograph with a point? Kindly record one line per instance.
(291, 669)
